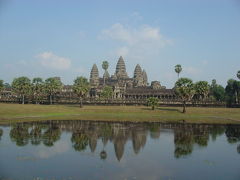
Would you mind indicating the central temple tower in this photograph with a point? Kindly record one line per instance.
(121, 69)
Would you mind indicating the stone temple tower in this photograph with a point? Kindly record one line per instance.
(145, 79)
(94, 76)
(121, 69)
(138, 76)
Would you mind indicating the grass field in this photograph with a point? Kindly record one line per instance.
(21, 113)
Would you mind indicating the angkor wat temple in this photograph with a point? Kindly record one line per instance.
(125, 87)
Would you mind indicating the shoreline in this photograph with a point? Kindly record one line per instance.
(12, 113)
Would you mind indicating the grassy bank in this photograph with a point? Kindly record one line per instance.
(22, 113)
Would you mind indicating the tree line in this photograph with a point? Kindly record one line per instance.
(184, 88)
(38, 89)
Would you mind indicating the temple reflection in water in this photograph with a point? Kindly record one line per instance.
(89, 134)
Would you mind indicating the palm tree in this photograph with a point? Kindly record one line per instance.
(22, 86)
(232, 91)
(202, 89)
(52, 86)
(1, 86)
(152, 101)
(178, 69)
(184, 88)
(105, 66)
(37, 88)
(81, 88)
(238, 74)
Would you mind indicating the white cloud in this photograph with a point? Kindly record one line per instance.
(191, 70)
(133, 36)
(138, 44)
(50, 60)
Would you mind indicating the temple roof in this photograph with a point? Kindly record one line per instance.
(121, 68)
(145, 79)
(137, 71)
(94, 71)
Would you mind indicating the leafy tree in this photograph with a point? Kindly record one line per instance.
(217, 91)
(52, 86)
(7, 85)
(202, 89)
(105, 66)
(184, 88)
(1, 85)
(152, 101)
(37, 88)
(22, 86)
(238, 74)
(81, 88)
(178, 69)
(236, 87)
(232, 91)
(107, 92)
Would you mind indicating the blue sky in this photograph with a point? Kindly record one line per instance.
(64, 38)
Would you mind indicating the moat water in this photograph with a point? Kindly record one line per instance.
(85, 150)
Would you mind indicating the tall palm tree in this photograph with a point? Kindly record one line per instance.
(81, 88)
(178, 69)
(202, 89)
(37, 88)
(52, 86)
(1, 86)
(22, 86)
(105, 66)
(184, 88)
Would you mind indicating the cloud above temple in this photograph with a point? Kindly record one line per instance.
(53, 61)
(132, 36)
(135, 42)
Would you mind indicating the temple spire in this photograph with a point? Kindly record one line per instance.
(145, 78)
(121, 68)
(138, 76)
(94, 76)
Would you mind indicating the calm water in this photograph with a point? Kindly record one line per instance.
(93, 150)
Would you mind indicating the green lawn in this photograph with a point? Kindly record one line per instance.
(29, 112)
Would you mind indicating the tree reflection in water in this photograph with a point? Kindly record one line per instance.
(87, 134)
(36, 135)
(19, 134)
(1, 133)
(51, 135)
(80, 141)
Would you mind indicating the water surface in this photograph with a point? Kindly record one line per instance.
(99, 150)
